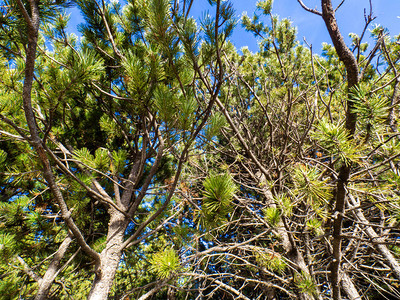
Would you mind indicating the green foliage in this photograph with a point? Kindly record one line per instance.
(88, 66)
(166, 102)
(315, 226)
(186, 112)
(305, 283)
(99, 244)
(278, 36)
(7, 246)
(3, 157)
(272, 261)
(190, 38)
(377, 30)
(137, 74)
(165, 263)
(285, 204)
(102, 159)
(159, 21)
(219, 191)
(370, 109)
(310, 186)
(217, 121)
(12, 212)
(104, 104)
(84, 178)
(265, 6)
(334, 138)
(83, 155)
(119, 161)
(109, 126)
(141, 78)
(272, 215)
(218, 194)
(9, 287)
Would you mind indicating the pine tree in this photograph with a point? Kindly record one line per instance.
(106, 122)
(152, 159)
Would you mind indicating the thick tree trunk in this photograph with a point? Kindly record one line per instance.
(109, 260)
(52, 271)
(109, 257)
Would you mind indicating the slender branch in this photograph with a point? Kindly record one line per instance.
(110, 36)
(340, 4)
(161, 225)
(33, 34)
(314, 11)
(16, 128)
(28, 270)
(110, 95)
(52, 270)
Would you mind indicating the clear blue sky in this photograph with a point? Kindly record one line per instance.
(350, 18)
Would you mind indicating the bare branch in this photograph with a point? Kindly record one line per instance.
(340, 4)
(311, 10)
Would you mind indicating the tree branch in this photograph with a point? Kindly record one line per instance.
(314, 11)
(350, 62)
(36, 142)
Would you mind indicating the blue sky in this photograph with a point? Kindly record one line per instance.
(311, 27)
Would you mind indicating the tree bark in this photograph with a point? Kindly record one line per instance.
(349, 288)
(109, 257)
(380, 246)
(33, 22)
(350, 62)
(288, 243)
(52, 271)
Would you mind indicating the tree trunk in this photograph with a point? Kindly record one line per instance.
(109, 257)
(380, 246)
(52, 271)
(349, 288)
(350, 62)
(288, 243)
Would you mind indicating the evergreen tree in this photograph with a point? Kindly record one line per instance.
(152, 160)
(106, 124)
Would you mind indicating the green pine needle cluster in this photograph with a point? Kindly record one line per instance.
(285, 203)
(305, 283)
(315, 226)
(134, 152)
(272, 215)
(371, 109)
(216, 122)
(272, 261)
(334, 139)
(218, 194)
(7, 245)
(165, 263)
(309, 185)
(102, 160)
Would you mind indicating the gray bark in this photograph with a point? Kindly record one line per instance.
(33, 22)
(46, 282)
(109, 257)
(348, 287)
(288, 244)
(380, 246)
